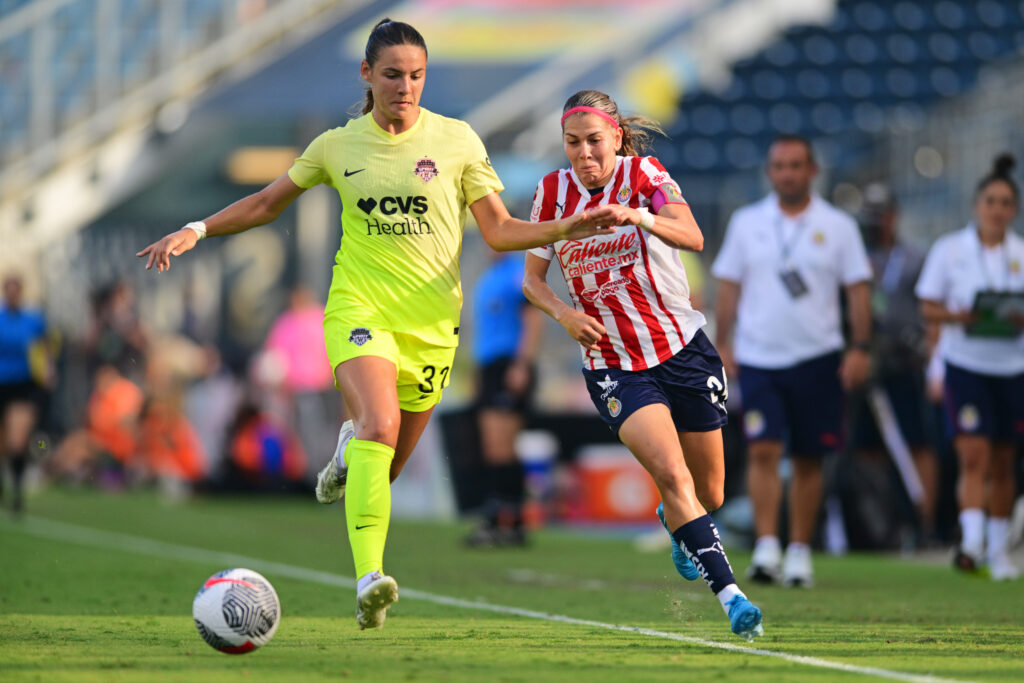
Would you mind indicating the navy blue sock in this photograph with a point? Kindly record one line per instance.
(701, 543)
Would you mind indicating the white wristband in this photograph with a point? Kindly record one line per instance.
(646, 220)
(198, 227)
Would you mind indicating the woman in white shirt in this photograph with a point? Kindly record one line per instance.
(973, 285)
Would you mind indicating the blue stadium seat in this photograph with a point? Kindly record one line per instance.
(819, 49)
(909, 16)
(944, 47)
(747, 119)
(743, 153)
(828, 118)
(768, 84)
(813, 84)
(902, 48)
(700, 154)
(708, 120)
(861, 48)
(781, 54)
(786, 117)
(950, 15)
(871, 16)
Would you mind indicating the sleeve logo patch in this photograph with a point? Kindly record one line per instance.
(672, 192)
(359, 336)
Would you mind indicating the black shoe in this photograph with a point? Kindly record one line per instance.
(484, 536)
(965, 562)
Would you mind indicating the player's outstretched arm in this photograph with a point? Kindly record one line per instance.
(580, 326)
(505, 233)
(674, 224)
(259, 208)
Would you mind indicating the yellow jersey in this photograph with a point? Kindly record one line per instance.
(404, 200)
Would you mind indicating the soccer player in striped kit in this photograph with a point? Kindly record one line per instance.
(653, 375)
(406, 177)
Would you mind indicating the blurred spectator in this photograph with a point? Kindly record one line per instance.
(506, 340)
(294, 363)
(973, 284)
(168, 445)
(116, 336)
(25, 369)
(264, 453)
(105, 448)
(897, 388)
(211, 404)
(781, 268)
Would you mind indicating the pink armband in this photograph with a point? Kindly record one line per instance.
(666, 193)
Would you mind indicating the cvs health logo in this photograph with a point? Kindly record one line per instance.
(404, 224)
(389, 206)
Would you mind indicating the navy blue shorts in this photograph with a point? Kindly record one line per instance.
(492, 392)
(691, 383)
(803, 402)
(986, 405)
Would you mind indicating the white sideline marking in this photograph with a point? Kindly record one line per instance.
(146, 546)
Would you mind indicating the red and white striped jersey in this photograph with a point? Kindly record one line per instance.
(630, 280)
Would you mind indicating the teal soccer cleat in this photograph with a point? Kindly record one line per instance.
(745, 618)
(683, 564)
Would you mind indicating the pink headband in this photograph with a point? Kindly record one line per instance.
(590, 110)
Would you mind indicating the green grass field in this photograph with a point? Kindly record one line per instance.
(78, 602)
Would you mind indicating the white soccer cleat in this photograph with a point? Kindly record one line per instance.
(1001, 568)
(796, 569)
(330, 483)
(765, 563)
(373, 601)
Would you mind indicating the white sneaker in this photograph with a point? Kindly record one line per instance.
(373, 601)
(796, 569)
(330, 483)
(1001, 568)
(764, 565)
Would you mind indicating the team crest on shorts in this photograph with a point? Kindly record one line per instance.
(359, 336)
(624, 194)
(753, 423)
(426, 169)
(969, 418)
(614, 406)
(1015, 266)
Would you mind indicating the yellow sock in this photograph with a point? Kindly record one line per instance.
(368, 502)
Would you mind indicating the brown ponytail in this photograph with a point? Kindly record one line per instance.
(637, 131)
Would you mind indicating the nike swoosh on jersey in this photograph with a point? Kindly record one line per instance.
(348, 173)
(363, 526)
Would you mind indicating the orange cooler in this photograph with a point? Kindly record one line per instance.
(612, 486)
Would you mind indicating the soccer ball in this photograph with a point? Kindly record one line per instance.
(236, 611)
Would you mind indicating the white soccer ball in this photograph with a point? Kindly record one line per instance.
(236, 611)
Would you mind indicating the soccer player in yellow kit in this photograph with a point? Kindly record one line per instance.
(405, 176)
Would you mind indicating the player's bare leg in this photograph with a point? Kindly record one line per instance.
(804, 502)
(651, 437)
(1002, 489)
(765, 492)
(974, 456)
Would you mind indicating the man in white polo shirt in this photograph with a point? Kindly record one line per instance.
(782, 266)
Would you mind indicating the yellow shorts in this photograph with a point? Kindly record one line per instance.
(423, 369)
